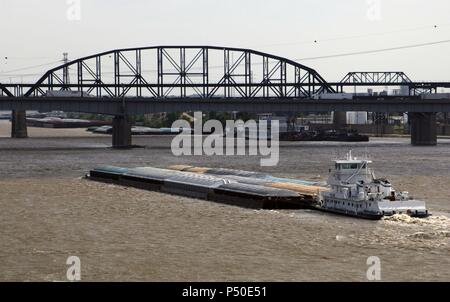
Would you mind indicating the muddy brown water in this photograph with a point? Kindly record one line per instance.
(48, 212)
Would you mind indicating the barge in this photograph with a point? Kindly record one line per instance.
(232, 189)
(352, 188)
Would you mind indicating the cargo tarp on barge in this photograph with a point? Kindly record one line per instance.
(234, 187)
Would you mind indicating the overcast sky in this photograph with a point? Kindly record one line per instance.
(38, 32)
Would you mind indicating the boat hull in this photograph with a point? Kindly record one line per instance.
(412, 208)
(367, 216)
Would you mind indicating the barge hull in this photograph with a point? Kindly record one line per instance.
(212, 188)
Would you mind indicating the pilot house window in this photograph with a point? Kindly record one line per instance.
(346, 166)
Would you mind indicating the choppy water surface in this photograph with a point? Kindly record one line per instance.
(48, 212)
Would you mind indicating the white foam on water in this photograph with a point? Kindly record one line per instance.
(340, 237)
(406, 219)
(432, 231)
(431, 235)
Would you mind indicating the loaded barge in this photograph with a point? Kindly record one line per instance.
(233, 187)
(352, 188)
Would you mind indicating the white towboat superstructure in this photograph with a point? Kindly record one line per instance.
(355, 191)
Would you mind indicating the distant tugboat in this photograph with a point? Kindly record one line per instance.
(355, 191)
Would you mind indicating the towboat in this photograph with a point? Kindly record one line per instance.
(354, 190)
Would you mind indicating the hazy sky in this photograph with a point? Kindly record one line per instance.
(38, 32)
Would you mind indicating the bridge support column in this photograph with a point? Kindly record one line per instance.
(380, 122)
(423, 129)
(340, 119)
(121, 135)
(19, 124)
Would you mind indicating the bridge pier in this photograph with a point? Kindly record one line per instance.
(423, 129)
(340, 119)
(380, 122)
(19, 124)
(121, 132)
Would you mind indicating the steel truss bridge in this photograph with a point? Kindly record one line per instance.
(179, 71)
(372, 79)
(207, 78)
(199, 72)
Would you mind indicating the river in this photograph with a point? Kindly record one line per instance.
(48, 212)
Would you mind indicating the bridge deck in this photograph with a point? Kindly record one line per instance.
(136, 106)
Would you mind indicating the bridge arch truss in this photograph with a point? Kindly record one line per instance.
(181, 72)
